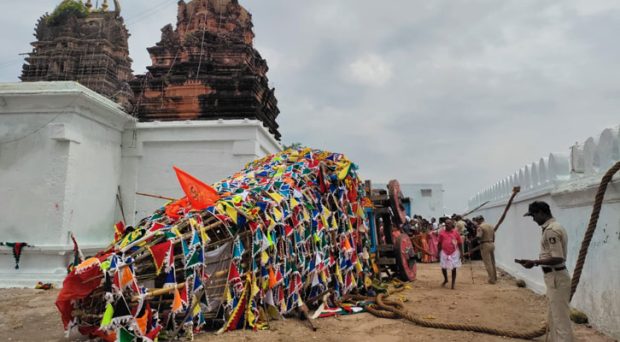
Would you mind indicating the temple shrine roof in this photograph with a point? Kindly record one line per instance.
(80, 43)
(206, 69)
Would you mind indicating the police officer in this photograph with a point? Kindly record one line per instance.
(486, 234)
(552, 261)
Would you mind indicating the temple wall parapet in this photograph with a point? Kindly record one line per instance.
(582, 162)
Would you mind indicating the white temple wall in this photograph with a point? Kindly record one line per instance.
(569, 184)
(59, 171)
(208, 150)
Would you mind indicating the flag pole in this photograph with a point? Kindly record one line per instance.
(156, 196)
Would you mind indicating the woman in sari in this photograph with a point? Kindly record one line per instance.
(433, 240)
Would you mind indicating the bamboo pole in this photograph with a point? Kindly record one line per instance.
(160, 292)
(156, 196)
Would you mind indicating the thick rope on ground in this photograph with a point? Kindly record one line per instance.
(383, 307)
(596, 210)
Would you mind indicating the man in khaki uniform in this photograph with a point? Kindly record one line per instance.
(552, 260)
(486, 234)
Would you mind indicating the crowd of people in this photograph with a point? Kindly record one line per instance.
(452, 238)
(426, 233)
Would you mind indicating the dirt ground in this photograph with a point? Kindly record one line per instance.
(30, 315)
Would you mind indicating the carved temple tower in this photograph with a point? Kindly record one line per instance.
(207, 69)
(80, 43)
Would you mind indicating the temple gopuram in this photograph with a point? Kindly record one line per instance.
(80, 43)
(207, 69)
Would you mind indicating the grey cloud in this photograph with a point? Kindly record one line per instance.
(479, 88)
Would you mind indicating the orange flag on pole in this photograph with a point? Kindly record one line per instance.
(199, 194)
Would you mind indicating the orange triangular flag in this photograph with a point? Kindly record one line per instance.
(346, 245)
(199, 194)
(126, 277)
(141, 322)
(272, 278)
(177, 303)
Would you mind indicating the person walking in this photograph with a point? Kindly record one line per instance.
(552, 259)
(450, 246)
(486, 234)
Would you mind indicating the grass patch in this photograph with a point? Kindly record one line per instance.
(67, 9)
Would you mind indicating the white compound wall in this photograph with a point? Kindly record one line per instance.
(568, 182)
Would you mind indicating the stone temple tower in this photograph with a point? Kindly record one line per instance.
(80, 43)
(207, 69)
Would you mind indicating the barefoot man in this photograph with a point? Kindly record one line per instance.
(450, 246)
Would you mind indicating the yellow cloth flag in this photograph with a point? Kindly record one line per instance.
(325, 217)
(276, 197)
(358, 266)
(367, 281)
(203, 235)
(237, 199)
(280, 172)
(346, 166)
(277, 214)
(294, 202)
(272, 222)
(324, 277)
(324, 220)
(255, 288)
(293, 156)
(196, 307)
(339, 274)
(360, 211)
(264, 258)
(131, 237)
(231, 212)
(334, 223)
(227, 294)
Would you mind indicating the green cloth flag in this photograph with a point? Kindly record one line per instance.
(126, 336)
(107, 316)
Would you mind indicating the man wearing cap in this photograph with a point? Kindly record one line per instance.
(552, 260)
(486, 234)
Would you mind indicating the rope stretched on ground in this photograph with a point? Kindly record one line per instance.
(396, 311)
(596, 210)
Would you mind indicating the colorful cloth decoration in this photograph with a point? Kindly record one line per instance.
(284, 229)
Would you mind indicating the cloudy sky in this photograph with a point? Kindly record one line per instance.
(461, 93)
